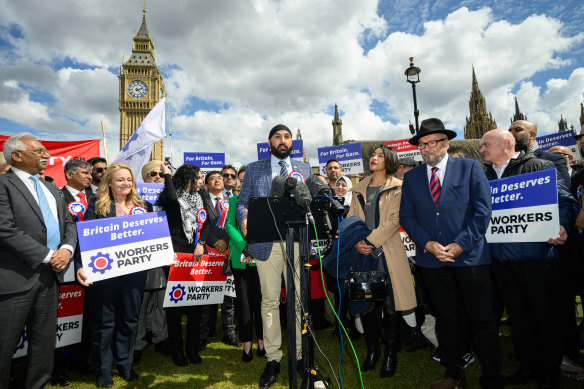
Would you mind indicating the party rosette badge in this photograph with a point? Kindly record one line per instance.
(296, 174)
(201, 217)
(76, 209)
(21, 341)
(100, 262)
(177, 293)
(138, 210)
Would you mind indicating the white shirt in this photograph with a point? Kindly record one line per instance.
(74, 192)
(504, 166)
(213, 201)
(441, 169)
(225, 192)
(24, 177)
(276, 165)
(93, 188)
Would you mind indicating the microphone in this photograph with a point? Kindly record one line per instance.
(278, 187)
(319, 188)
(303, 199)
(289, 185)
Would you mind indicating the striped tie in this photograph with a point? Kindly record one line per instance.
(435, 187)
(283, 169)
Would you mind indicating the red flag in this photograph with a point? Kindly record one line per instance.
(61, 153)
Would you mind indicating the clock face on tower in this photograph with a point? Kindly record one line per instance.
(137, 89)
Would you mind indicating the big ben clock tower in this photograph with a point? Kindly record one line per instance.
(141, 87)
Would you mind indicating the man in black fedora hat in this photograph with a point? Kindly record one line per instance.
(446, 209)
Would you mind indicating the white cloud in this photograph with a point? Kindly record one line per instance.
(266, 62)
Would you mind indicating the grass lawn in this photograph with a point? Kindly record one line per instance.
(222, 368)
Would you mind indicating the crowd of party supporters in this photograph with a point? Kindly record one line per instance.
(449, 298)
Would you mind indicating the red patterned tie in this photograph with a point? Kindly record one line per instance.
(435, 185)
(82, 199)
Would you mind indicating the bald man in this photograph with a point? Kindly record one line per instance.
(525, 133)
(526, 274)
(565, 152)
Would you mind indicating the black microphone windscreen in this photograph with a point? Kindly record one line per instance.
(317, 187)
(278, 187)
(302, 194)
(290, 184)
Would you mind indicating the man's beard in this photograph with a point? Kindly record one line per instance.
(280, 154)
(522, 144)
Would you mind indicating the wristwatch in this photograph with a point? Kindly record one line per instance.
(203, 242)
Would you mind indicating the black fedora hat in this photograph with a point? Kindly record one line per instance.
(431, 126)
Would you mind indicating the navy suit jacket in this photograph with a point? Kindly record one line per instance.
(256, 183)
(461, 215)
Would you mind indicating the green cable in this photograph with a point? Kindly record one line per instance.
(334, 310)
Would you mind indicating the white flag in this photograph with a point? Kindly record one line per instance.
(136, 152)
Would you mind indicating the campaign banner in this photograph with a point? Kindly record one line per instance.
(206, 161)
(349, 157)
(116, 246)
(69, 320)
(404, 149)
(564, 138)
(525, 208)
(150, 192)
(297, 150)
(200, 283)
(230, 287)
(408, 243)
(61, 153)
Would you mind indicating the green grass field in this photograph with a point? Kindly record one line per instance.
(222, 368)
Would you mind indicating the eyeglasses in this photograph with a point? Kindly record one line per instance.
(37, 151)
(99, 169)
(215, 178)
(227, 175)
(154, 174)
(431, 144)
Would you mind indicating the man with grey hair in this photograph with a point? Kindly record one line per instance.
(37, 237)
(78, 176)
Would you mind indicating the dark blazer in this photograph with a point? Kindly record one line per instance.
(257, 182)
(69, 198)
(215, 233)
(23, 235)
(559, 162)
(462, 214)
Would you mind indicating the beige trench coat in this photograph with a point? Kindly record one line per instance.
(387, 235)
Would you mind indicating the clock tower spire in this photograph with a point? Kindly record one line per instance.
(141, 86)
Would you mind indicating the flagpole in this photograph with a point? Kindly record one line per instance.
(169, 127)
(104, 144)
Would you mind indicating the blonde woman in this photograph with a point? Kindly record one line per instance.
(113, 305)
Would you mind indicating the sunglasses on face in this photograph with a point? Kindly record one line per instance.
(154, 174)
(99, 169)
(227, 175)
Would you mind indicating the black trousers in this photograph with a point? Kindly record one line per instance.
(453, 292)
(37, 309)
(248, 304)
(113, 310)
(529, 291)
(174, 326)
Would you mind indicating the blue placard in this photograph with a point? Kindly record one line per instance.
(348, 155)
(525, 190)
(150, 192)
(116, 231)
(564, 138)
(297, 149)
(206, 161)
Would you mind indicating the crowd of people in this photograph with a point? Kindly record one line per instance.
(449, 297)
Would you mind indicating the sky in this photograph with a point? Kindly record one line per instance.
(235, 68)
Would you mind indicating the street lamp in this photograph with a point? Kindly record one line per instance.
(413, 77)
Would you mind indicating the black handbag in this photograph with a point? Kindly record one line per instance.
(227, 270)
(368, 285)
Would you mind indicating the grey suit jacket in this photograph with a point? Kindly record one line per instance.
(23, 234)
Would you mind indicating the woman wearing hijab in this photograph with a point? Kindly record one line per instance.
(181, 201)
(113, 304)
(343, 188)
